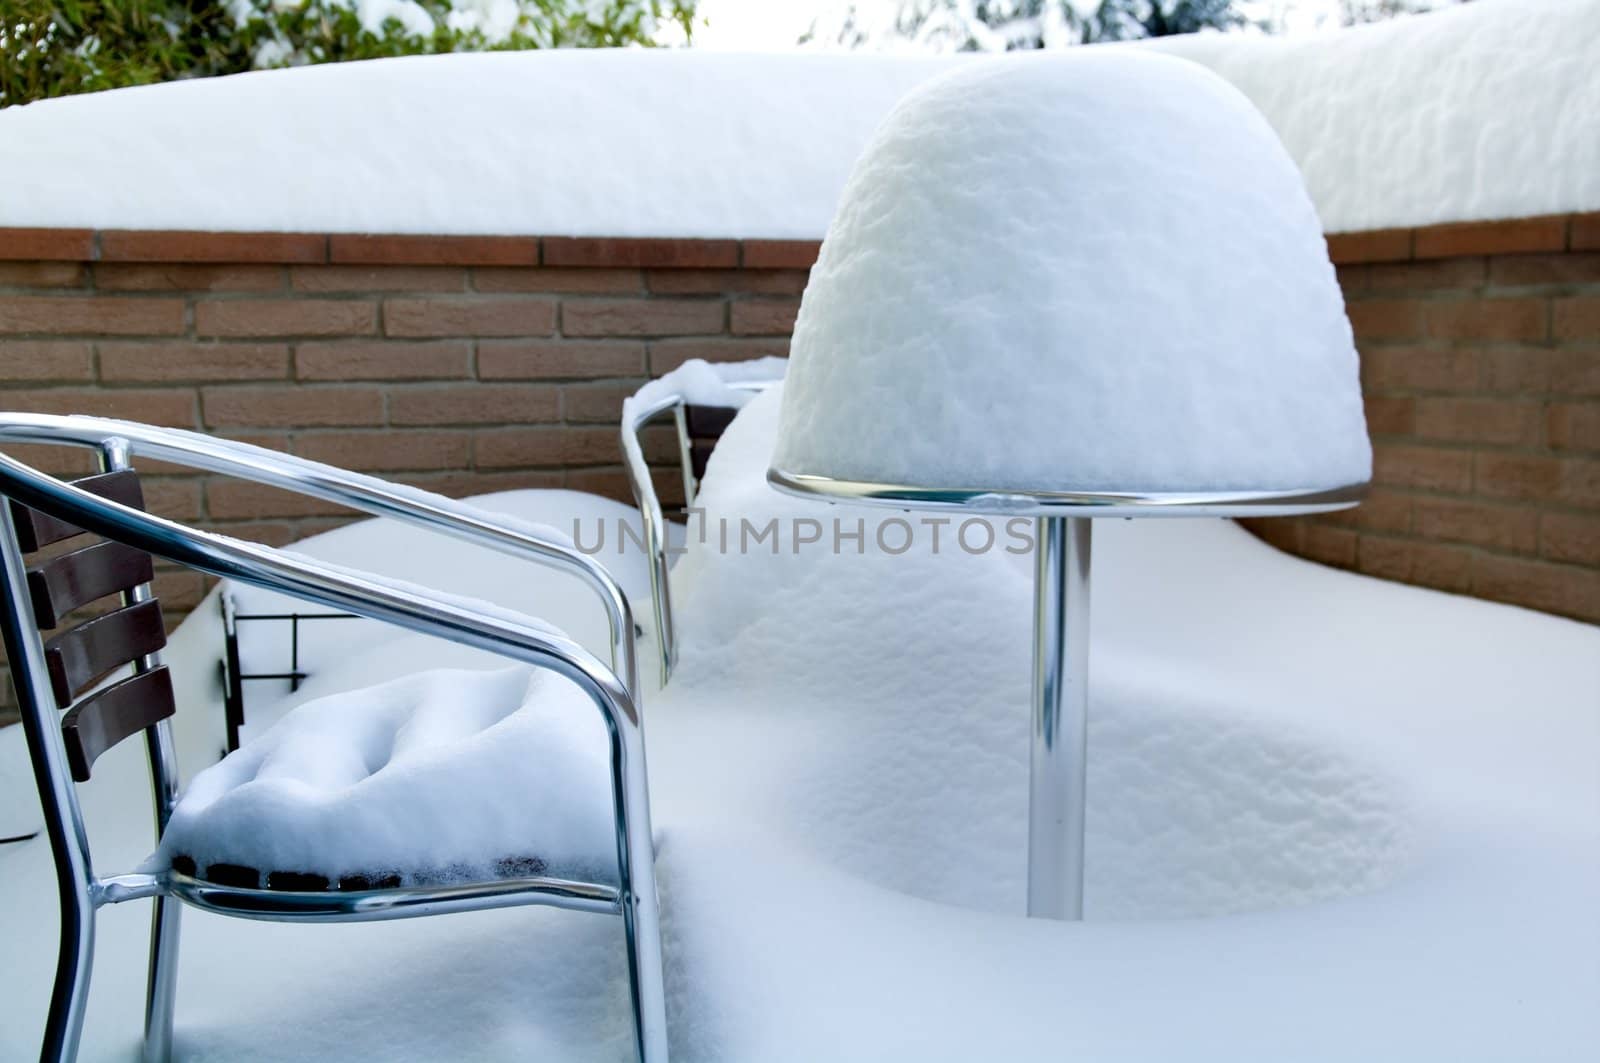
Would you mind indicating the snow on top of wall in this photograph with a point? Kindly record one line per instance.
(1479, 112)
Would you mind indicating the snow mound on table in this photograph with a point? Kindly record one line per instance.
(983, 316)
(445, 775)
(877, 745)
(1482, 112)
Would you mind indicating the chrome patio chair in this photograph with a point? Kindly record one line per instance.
(699, 427)
(78, 669)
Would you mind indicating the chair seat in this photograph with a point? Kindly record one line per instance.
(440, 777)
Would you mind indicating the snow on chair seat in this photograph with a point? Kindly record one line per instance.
(441, 777)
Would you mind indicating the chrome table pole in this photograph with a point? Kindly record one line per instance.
(1058, 770)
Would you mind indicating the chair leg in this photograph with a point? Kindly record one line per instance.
(162, 991)
(646, 983)
(74, 965)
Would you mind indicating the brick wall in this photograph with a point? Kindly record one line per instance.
(1480, 361)
(472, 364)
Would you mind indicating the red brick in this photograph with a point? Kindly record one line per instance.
(1492, 237)
(1566, 590)
(594, 403)
(612, 482)
(762, 317)
(91, 315)
(45, 361)
(168, 276)
(1374, 245)
(377, 360)
(155, 362)
(137, 245)
(474, 404)
(382, 450)
(726, 281)
(1330, 546)
(284, 317)
(1352, 278)
(1584, 232)
(1430, 468)
(559, 359)
(469, 316)
(1524, 370)
(291, 407)
(177, 498)
(780, 254)
(667, 355)
(1570, 537)
(1472, 420)
(642, 253)
(42, 275)
(1528, 477)
(1384, 510)
(1580, 483)
(1434, 565)
(1389, 416)
(179, 589)
(434, 250)
(1525, 319)
(560, 281)
(1577, 317)
(1443, 274)
(163, 406)
(241, 500)
(1575, 373)
(1526, 270)
(554, 445)
(61, 245)
(1285, 533)
(1510, 528)
(1385, 319)
(1385, 368)
(1573, 425)
(378, 278)
(56, 461)
(641, 317)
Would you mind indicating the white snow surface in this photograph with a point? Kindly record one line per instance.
(1481, 111)
(440, 776)
(1330, 818)
(978, 317)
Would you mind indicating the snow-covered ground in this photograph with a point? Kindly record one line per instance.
(1330, 818)
(1482, 111)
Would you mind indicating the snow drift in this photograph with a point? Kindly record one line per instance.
(1486, 111)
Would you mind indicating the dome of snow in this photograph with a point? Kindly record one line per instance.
(1093, 272)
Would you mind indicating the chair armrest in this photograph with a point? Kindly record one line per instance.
(369, 494)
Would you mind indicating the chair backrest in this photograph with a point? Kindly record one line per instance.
(81, 655)
(703, 426)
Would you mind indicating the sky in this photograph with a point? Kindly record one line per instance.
(775, 25)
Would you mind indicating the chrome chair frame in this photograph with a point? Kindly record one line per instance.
(517, 637)
(644, 496)
(367, 494)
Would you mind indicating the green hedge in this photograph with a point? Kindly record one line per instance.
(67, 46)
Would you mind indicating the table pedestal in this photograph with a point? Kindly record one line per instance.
(1058, 770)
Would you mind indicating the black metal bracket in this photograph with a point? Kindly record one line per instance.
(233, 674)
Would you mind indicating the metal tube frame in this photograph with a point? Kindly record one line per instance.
(1058, 757)
(367, 494)
(1058, 766)
(654, 524)
(510, 635)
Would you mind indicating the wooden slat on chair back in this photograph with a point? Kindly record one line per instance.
(81, 656)
(706, 425)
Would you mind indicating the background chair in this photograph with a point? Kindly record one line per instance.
(69, 671)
